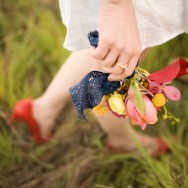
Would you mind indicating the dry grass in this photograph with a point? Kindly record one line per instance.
(30, 54)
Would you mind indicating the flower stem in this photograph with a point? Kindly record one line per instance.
(143, 87)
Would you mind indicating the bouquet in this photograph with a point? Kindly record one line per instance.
(139, 97)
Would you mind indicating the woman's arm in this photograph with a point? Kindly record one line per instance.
(119, 40)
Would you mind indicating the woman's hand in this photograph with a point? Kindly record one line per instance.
(119, 44)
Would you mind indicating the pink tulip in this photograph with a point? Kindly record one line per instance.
(150, 113)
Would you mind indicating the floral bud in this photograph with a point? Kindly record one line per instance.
(117, 104)
(158, 100)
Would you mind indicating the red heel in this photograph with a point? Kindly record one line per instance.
(162, 148)
(23, 112)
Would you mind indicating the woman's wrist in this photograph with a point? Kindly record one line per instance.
(119, 41)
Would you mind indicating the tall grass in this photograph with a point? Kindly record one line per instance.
(8, 153)
(31, 51)
(31, 38)
(31, 48)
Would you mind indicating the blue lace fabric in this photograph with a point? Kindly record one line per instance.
(90, 90)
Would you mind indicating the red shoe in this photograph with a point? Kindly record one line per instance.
(162, 148)
(23, 112)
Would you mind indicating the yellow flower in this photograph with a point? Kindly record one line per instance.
(101, 108)
(159, 100)
(117, 104)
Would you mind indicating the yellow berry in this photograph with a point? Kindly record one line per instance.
(165, 116)
(158, 100)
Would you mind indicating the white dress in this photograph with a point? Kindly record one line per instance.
(158, 20)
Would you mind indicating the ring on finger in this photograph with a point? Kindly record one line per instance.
(122, 66)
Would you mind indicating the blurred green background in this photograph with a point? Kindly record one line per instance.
(31, 52)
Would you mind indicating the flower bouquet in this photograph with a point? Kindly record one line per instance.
(139, 97)
(143, 95)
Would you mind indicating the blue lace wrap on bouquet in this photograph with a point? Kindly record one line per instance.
(90, 90)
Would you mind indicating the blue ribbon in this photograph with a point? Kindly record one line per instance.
(90, 90)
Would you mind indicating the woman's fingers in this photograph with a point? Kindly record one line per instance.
(101, 51)
(121, 65)
(118, 66)
(110, 59)
(119, 41)
(126, 72)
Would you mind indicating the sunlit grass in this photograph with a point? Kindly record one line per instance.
(31, 53)
(9, 153)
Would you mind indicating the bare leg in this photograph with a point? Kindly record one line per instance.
(47, 107)
(122, 135)
(120, 132)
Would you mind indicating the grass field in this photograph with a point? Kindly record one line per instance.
(31, 51)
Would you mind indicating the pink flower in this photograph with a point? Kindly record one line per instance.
(159, 79)
(154, 87)
(150, 112)
(170, 92)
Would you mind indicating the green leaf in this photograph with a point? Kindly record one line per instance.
(138, 98)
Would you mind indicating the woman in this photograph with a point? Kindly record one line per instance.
(126, 28)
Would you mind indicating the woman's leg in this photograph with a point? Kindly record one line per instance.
(121, 133)
(47, 107)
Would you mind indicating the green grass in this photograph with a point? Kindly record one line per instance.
(9, 154)
(31, 39)
(31, 51)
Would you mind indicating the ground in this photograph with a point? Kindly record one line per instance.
(31, 52)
